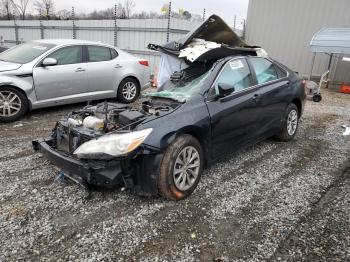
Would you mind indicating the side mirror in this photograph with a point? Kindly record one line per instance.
(225, 89)
(49, 62)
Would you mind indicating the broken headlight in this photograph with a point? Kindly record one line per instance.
(112, 145)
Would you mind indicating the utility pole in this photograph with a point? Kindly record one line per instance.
(168, 29)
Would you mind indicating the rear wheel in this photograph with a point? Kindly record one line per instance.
(290, 125)
(13, 104)
(181, 168)
(128, 90)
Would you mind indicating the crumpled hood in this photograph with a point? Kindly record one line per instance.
(8, 66)
(214, 29)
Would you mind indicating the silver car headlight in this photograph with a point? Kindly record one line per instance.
(112, 145)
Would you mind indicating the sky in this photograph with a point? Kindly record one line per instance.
(224, 8)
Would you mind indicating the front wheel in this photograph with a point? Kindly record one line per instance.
(128, 90)
(290, 125)
(13, 104)
(181, 168)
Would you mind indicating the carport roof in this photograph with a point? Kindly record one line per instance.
(331, 40)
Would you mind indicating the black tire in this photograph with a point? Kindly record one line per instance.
(122, 97)
(285, 135)
(317, 98)
(21, 102)
(166, 179)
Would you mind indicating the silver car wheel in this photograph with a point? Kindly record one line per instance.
(186, 168)
(10, 103)
(292, 122)
(129, 90)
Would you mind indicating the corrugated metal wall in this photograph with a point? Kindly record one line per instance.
(133, 35)
(285, 28)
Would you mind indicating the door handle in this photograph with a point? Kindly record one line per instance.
(79, 69)
(118, 66)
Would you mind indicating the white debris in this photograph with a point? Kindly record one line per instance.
(347, 130)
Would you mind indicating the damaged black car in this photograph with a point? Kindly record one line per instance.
(215, 95)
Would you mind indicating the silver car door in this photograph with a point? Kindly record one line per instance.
(104, 69)
(65, 81)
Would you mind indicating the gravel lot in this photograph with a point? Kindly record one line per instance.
(275, 201)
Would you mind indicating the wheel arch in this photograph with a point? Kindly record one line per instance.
(130, 76)
(20, 90)
(299, 105)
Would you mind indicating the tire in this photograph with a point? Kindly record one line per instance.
(167, 185)
(13, 104)
(317, 98)
(128, 90)
(290, 124)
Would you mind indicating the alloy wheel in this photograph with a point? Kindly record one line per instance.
(129, 90)
(10, 104)
(292, 122)
(186, 168)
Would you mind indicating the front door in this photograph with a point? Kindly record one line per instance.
(233, 118)
(65, 81)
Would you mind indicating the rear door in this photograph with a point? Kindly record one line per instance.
(274, 85)
(104, 69)
(65, 80)
(233, 118)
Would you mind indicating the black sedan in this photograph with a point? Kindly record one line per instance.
(225, 98)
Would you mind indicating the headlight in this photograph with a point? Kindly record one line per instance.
(112, 145)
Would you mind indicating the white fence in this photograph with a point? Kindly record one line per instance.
(131, 35)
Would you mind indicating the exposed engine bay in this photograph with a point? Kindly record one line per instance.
(94, 121)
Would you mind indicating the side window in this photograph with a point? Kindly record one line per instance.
(280, 72)
(265, 70)
(114, 53)
(99, 53)
(235, 73)
(68, 55)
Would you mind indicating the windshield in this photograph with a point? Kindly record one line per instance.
(25, 53)
(182, 90)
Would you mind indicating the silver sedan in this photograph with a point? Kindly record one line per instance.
(46, 73)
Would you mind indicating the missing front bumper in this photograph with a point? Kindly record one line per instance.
(100, 173)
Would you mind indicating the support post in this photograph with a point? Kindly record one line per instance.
(16, 29)
(312, 65)
(244, 28)
(115, 26)
(42, 35)
(203, 14)
(73, 24)
(169, 17)
(329, 68)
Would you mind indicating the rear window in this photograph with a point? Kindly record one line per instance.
(99, 53)
(264, 70)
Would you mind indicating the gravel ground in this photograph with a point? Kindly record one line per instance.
(274, 201)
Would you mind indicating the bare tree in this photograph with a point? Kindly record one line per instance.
(6, 8)
(45, 8)
(21, 7)
(128, 6)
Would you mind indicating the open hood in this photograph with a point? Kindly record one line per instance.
(214, 29)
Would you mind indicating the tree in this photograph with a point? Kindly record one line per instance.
(45, 8)
(63, 14)
(6, 8)
(128, 6)
(21, 7)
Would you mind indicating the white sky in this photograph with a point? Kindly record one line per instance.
(224, 8)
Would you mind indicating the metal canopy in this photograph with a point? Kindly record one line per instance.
(332, 41)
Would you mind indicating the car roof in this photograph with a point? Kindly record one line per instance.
(59, 42)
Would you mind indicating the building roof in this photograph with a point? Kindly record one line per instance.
(331, 40)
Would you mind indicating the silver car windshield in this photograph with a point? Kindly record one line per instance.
(181, 91)
(25, 53)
